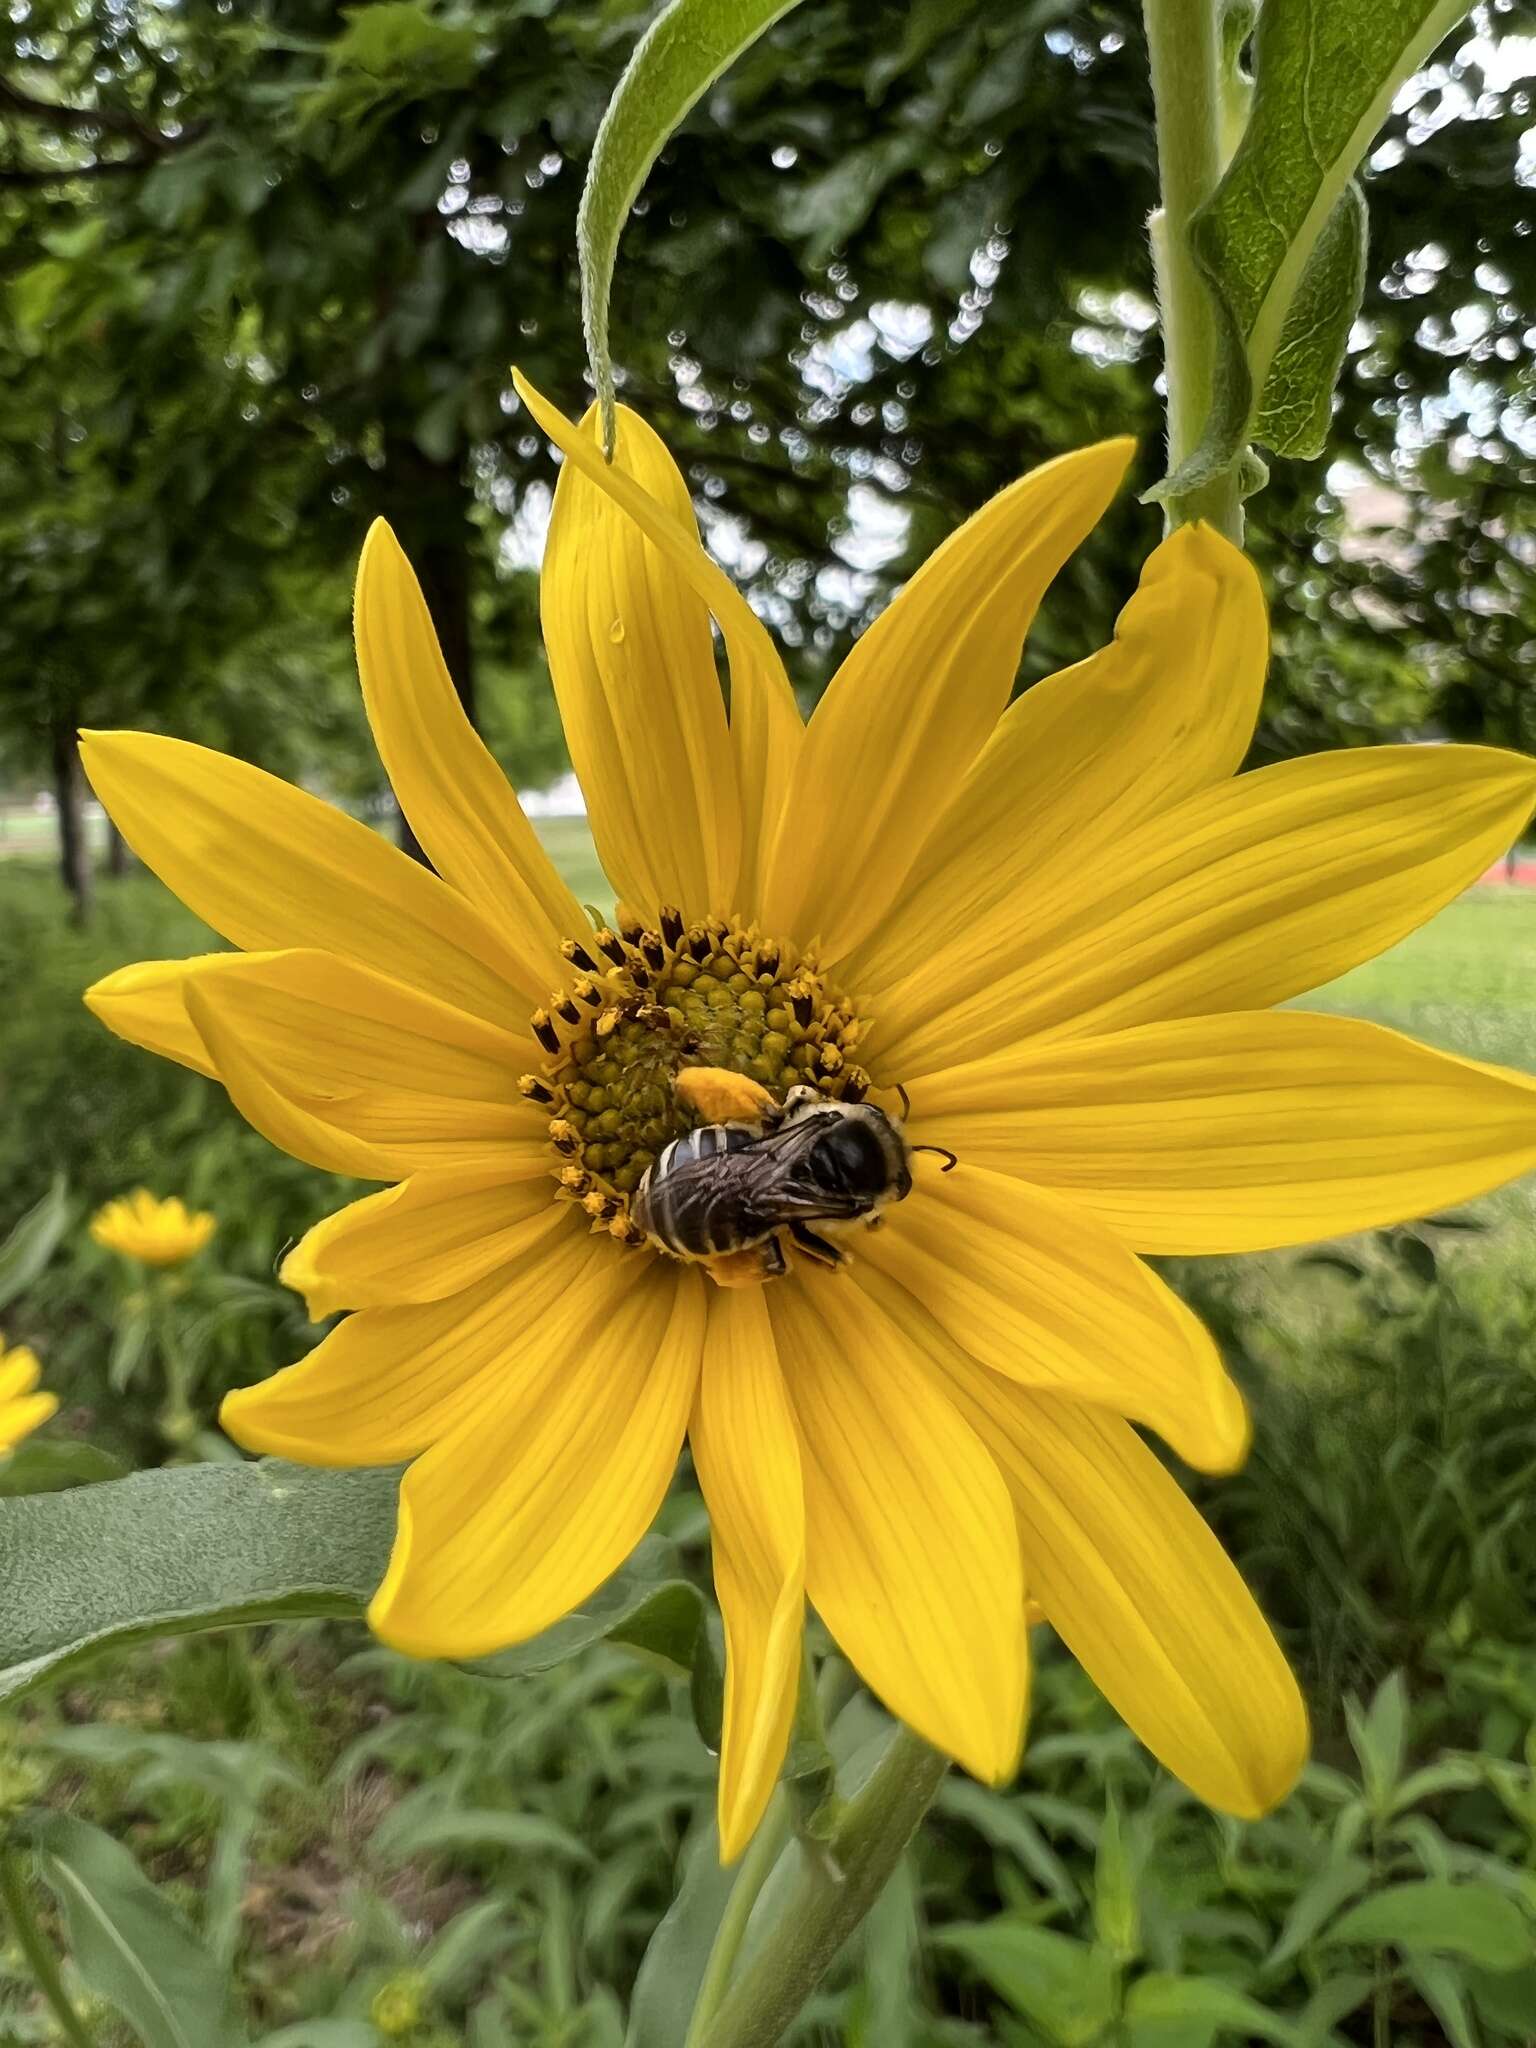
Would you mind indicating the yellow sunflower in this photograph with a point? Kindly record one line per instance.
(155, 1233)
(22, 1408)
(1058, 924)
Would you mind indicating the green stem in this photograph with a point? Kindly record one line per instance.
(17, 1896)
(767, 1844)
(1184, 44)
(828, 1898)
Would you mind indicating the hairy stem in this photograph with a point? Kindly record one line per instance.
(16, 1892)
(1185, 47)
(828, 1897)
(767, 1844)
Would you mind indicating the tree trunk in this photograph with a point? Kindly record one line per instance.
(119, 859)
(428, 506)
(74, 853)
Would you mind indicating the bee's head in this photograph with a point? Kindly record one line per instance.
(859, 1155)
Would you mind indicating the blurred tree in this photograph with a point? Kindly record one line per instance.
(267, 267)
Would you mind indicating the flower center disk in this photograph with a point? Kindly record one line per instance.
(649, 1003)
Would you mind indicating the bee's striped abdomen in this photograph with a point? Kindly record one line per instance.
(678, 1202)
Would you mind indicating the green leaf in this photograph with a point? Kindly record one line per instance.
(1315, 1904)
(1326, 73)
(1379, 1738)
(420, 1831)
(1116, 1911)
(1461, 1917)
(45, 1464)
(1184, 2012)
(647, 1606)
(32, 1243)
(130, 1946)
(679, 57)
(1066, 1988)
(1296, 410)
(196, 1547)
(1504, 1998)
(677, 1954)
(181, 1549)
(1443, 1992)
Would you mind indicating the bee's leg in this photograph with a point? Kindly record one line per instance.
(815, 1247)
(775, 1265)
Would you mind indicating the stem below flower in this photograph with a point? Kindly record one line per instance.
(16, 1893)
(1184, 44)
(828, 1898)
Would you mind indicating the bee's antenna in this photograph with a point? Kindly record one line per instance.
(906, 1103)
(951, 1159)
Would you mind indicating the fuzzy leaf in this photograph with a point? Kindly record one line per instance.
(679, 57)
(1326, 73)
(196, 1547)
(1296, 410)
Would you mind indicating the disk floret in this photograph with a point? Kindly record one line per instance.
(645, 1004)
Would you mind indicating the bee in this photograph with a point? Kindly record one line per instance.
(804, 1166)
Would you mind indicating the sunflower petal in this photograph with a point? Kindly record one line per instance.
(459, 803)
(1041, 1292)
(397, 1079)
(908, 711)
(633, 662)
(543, 1490)
(766, 731)
(387, 1383)
(1239, 1133)
(1142, 1594)
(1239, 898)
(145, 1004)
(269, 866)
(748, 1461)
(912, 1556)
(432, 1236)
(1091, 753)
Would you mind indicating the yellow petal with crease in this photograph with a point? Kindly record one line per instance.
(146, 1005)
(411, 1081)
(1087, 755)
(912, 1554)
(1238, 1133)
(386, 1383)
(908, 711)
(541, 1492)
(1143, 1595)
(1252, 892)
(633, 662)
(748, 1460)
(460, 805)
(434, 1235)
(269, 866)
(1042, 1293)
(765, 726)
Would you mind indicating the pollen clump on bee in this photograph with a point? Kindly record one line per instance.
(653, 1003)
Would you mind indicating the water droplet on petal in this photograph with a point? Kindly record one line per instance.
(616, 632)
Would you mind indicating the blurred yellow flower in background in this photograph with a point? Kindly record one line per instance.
(1060, 924)
(22, 1409)
(156, 1233)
